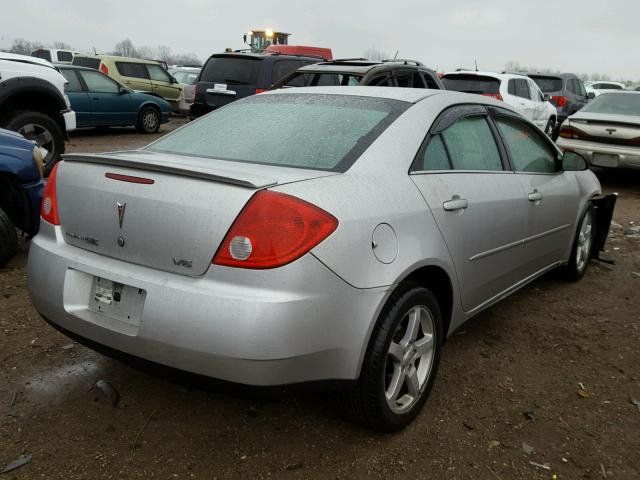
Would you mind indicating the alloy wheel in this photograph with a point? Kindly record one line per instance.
(583, 249)
(409, 359)
(42, 137)
(150, 120)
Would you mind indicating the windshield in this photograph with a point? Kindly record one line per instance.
(185, 77)
(615, 103)
(232, 70)
(319, 132)
(548, 84)
(471, 83)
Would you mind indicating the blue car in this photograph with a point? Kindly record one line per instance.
(100, 101)
(21, 187)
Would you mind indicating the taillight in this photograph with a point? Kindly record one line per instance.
(274, 229)
(568, 131)
(497, 96)
(49, 209)
(104, 69)
(559, 100)
(260, 90)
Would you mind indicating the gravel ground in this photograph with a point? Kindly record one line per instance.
(546, 377)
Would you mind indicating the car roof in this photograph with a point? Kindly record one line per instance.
(359, 66)
(262, 55)
(411, 95)
(553, 75)
(499, 76)
(117, 57)
(25, 59)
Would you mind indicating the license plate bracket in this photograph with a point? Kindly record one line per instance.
(117, 301)
(605, 160)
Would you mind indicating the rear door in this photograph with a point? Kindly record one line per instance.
(226, 78)
(524, 104)
(135, 76)
(108, 104)
(552, 196)
(479, 206)
(79, 99)
(540, 107)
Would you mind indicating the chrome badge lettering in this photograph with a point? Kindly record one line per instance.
(182, 263)
(83, 238)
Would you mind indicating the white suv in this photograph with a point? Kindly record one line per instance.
(33, 103)
(519, 91)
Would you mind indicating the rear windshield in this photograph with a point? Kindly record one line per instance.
(616, 103)
(471, 83)
(87, 62)
(548, 84)
(318, 132)
(301, 79)
(231, 70)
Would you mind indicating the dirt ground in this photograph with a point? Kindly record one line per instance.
(553, 370)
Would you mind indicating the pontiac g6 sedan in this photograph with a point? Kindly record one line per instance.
(315, 234)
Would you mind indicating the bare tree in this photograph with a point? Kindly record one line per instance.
(61, 45)
(164, 53)
(21, 46)
(125, 48)
(148, 53)
(375, 54)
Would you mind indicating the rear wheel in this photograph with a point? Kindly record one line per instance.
(148, 120)
(8, 239)
(42, 129)
(401, 361)
(582, 247)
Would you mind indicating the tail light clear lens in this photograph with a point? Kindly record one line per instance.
(274, 229)
(49, 208)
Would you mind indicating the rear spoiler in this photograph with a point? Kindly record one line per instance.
(215, 174)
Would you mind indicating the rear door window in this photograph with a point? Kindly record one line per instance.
(409, 79)
(528, 151)
(232, 70)
(383, 80)
(471, 83)
(471, 145)
(133, 70)
(72, 77)
(435, 155)
(522, 88)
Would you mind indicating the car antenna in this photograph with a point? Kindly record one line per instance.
(95, 52)
(476, 61)
(396, 55)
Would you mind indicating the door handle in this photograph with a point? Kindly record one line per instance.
(535, 196)
(456, 203)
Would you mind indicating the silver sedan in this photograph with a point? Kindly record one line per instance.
(313, 235)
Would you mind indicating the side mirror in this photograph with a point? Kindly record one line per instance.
(173, 79)
(546, 97)
(573, 162)
(123, 90)
(591, 95)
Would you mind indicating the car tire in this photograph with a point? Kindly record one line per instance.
(550, 129)
(8, 239)
(582, 246)
(42, 129)
(148, 120)
(395, 381)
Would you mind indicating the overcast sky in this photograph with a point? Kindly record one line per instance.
(576, 36)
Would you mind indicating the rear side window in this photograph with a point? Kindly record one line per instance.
(471, 145)
(45, 54)
(471, 83)
(319, 132)
(65, 56)
(72, 78)
(133, 70)
(548, 84)
(232, 70)
(528, 151)
(87, 62)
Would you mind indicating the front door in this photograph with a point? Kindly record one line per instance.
(109, 103)
(162, 84)
(479, 206)
(552, 195)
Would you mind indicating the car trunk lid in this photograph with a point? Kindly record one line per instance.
(606, 128)
(166, 212)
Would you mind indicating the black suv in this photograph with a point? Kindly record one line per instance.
(227, 77)
(360, 71)
(566, 91)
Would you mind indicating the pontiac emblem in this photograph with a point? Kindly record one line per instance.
(121, 208)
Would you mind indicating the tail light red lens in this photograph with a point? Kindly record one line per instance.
(104, 69)
(559, 100)
(260, 90)
(568, 131)
(274, 229)
(49, 208)
(497, 96)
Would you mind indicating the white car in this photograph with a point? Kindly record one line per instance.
(518, 91)
(55, 55)
(600, 87)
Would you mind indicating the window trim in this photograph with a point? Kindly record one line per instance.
(496, 112)
(440, 124)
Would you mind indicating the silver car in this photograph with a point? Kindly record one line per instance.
(316, 234)
(606, 131)
(187, 77)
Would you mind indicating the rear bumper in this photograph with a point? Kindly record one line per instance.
(298, 323)
(627, 157)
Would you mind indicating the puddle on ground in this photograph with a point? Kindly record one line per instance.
(80, 373)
